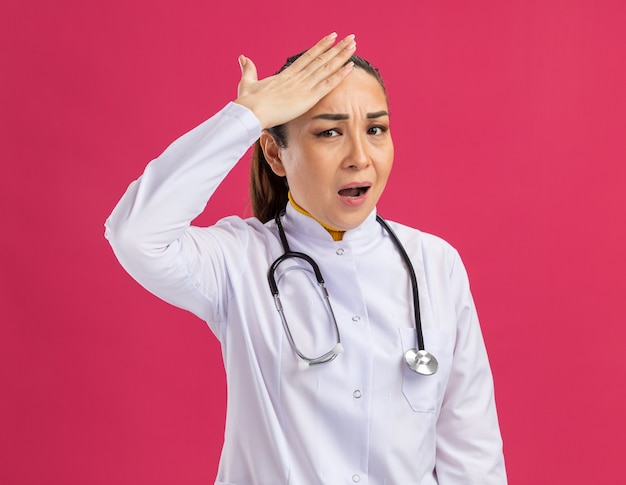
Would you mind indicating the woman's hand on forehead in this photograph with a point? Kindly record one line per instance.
(280, 98)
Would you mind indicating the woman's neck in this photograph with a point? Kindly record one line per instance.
(336, 234)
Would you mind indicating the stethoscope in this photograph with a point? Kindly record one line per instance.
(418, 359)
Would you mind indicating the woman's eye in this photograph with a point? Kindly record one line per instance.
(377, 130)
(328, 133)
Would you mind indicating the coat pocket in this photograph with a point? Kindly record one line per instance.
(425, 393)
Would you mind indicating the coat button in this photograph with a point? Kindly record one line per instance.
(340, 251)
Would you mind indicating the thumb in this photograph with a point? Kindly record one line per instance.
(248, 69)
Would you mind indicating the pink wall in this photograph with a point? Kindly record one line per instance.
(509, 121)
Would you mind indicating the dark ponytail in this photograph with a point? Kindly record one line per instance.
(268, 191)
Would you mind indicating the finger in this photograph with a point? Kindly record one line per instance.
(319, 48)
(328, 83)
(329, 62)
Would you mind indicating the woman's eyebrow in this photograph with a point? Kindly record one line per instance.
(377, 114)
(342, 116)
(331, 117)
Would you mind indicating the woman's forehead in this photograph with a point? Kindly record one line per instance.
(360, 91)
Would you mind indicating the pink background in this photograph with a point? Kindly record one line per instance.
(509, 120)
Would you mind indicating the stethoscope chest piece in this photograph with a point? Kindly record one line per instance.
(421, 361)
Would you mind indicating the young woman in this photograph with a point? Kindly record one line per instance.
(350, 357)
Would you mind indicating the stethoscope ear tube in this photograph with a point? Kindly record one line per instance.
(305, 361)
(289, 255)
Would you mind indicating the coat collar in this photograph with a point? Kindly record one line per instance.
(296, 222)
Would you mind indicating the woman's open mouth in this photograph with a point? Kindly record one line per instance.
(353, 191)
(355, 195)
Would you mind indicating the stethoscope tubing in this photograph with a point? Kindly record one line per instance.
(412, 277)
(419, 360)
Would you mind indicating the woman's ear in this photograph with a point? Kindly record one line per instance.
(271, 150)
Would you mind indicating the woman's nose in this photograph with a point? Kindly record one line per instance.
(357, 156)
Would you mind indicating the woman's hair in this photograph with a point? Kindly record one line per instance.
(268, 191)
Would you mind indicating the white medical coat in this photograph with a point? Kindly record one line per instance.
(364, 417)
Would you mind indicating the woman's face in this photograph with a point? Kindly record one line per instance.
(339, 154)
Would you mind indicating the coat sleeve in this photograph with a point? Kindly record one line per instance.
(150, 228)
(469, 445)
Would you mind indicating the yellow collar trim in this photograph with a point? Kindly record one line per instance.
(336, 234)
